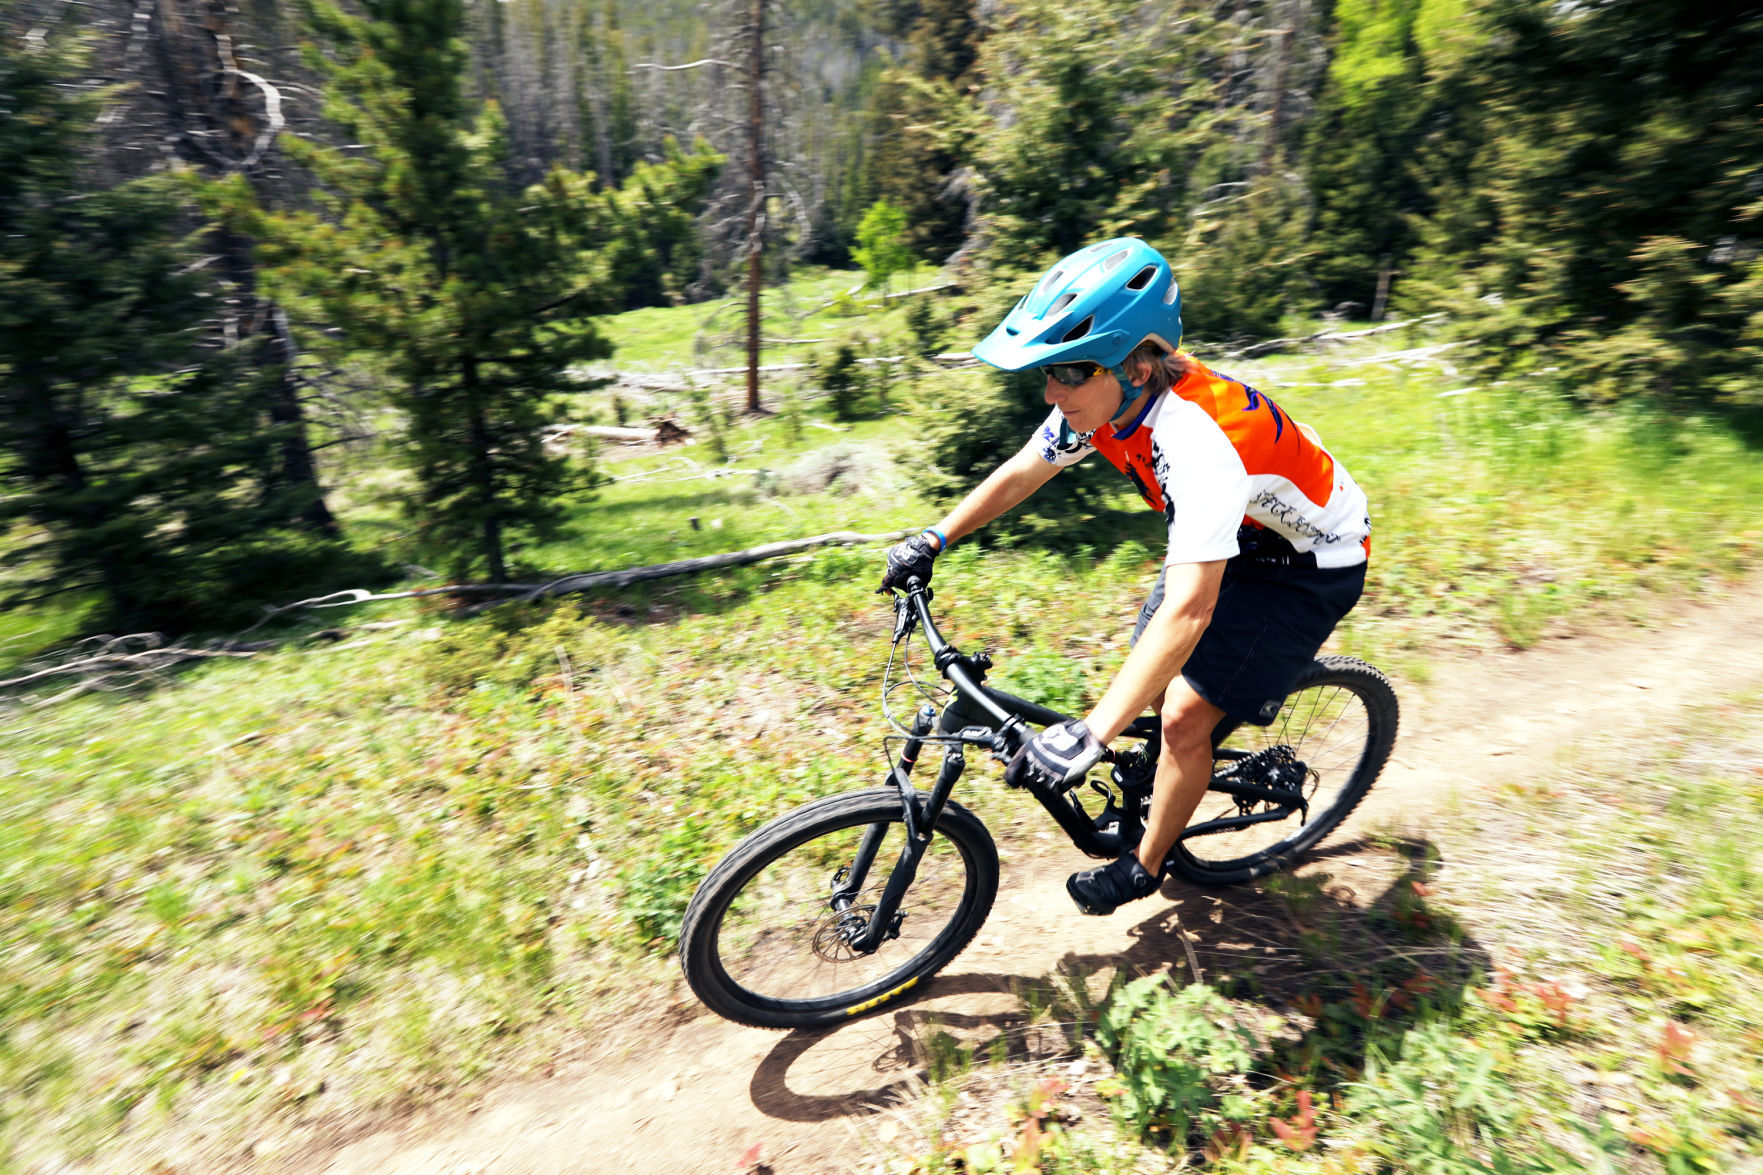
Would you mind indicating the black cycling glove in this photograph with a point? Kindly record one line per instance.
(908, 559)
(1056, 757)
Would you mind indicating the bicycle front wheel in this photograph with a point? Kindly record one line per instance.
(768, 938)
(1339, 721)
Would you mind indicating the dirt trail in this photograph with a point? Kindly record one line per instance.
(697, 1092)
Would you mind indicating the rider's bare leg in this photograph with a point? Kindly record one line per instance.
(1184, 768)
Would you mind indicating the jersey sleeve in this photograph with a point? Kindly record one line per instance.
(1205, 487)
(1057, 444)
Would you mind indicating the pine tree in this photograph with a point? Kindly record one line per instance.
(917, 126)
(478, 295)
(881, 247)
(1378, 106)
(138, 452)
(646, 230)
(1597, 209)
(605, 101)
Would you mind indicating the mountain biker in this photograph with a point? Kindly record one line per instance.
(1268, 534)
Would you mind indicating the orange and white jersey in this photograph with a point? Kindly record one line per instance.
(1213, 453)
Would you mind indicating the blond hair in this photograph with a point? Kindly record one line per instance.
(1163, 369)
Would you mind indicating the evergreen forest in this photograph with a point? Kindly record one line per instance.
(242, 237)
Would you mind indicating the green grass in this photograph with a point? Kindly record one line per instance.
(1501, 511)
(342, 875)
(814, 305)
(771, 487)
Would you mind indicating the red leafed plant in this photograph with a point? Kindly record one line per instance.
(1231, 1140)
(1041, 1103)
(1674, 1049)
(1298, 1133)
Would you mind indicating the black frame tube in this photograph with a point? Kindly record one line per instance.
(1008, 710)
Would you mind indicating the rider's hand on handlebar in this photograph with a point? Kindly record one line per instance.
(1056, 757)
(908, 559)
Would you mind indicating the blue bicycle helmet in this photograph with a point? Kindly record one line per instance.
(1094, 306)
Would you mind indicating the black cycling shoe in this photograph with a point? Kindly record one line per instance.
(1102, 889)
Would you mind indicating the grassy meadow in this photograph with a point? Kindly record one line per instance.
(363, 869)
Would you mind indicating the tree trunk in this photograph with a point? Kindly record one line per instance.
(756, 208)
(286, 412)
(483, 471)
(204, 90)
(1384, 271)
(1270, 146)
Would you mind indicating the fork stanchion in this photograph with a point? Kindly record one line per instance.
(922, 724)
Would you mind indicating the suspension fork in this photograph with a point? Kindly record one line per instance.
(920, 819)
(847, 886)
(883, 922)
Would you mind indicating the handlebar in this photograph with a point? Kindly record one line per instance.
(913, 609)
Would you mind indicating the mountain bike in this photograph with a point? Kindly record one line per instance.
(847, 903)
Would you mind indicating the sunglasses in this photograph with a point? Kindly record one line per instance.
(1072, 375)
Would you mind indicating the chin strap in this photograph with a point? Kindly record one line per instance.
(1129, 391)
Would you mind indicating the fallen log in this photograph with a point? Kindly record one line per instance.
(661, 431)
(1326, 336)
(108, 663)
(922, 290)
(589, 581)
(630, 575)
(607, 432)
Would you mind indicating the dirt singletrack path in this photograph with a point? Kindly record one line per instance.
(697, 1093)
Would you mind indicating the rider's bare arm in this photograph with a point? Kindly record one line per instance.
(1190, 591)
(1008, 486)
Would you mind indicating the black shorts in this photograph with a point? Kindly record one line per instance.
(1271, 618)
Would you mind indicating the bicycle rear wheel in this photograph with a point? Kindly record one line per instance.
(765, 943)
(1339, 721)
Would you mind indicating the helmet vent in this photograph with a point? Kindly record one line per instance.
(1142, 278)
(1062, 302)
(1052, 279)
(1080, 330)
(1114, 260)
(1169, 295)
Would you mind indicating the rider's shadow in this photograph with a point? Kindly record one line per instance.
(1311, 947)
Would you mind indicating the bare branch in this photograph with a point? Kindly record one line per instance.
(687, 65)
(605, 579)
(112, 663)
(1326, 336)
(592, 580)
(272, 112)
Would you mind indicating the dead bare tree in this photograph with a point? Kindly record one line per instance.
(195, 97)
(756, 170)
(748, 43)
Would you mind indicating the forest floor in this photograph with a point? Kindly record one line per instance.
(684, 1092)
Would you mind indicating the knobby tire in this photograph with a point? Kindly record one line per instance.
(760, 943)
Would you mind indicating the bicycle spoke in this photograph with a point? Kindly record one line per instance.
(1327, 728)
(783, 938)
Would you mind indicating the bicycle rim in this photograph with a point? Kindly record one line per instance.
(781, 951)
(1339, 723)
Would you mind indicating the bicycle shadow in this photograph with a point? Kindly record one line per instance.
(1304, 946)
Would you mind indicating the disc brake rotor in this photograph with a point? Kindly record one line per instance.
(837, 929)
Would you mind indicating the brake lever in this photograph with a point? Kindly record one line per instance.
(905, 618)
(1006, 741)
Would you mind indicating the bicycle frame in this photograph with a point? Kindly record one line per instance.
(976, 716)
(981, 716)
